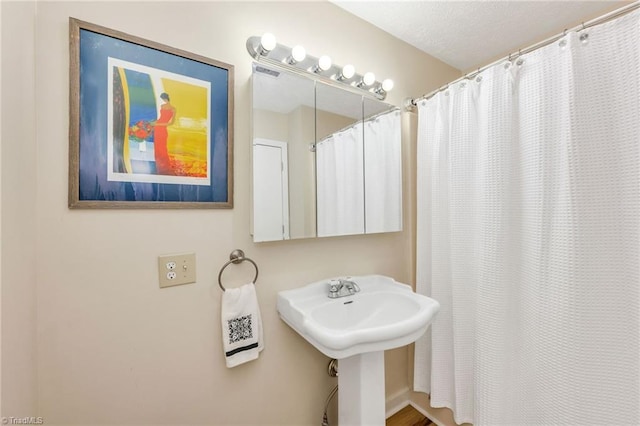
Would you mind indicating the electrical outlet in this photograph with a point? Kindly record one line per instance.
(176, 269)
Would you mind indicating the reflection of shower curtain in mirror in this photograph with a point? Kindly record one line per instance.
(383, 173)
(339, 163)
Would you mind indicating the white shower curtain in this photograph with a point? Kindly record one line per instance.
(383, 173)
(340, 186)
(528, 236)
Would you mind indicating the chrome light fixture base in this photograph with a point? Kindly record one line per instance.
(280, 55)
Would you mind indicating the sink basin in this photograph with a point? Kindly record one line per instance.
(383, 315)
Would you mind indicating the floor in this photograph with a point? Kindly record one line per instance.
(409, 416)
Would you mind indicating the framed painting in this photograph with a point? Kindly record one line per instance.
(150, 126)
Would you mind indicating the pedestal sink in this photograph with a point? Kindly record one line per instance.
(357, 329)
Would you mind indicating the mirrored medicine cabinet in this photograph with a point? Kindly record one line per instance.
(326, 160)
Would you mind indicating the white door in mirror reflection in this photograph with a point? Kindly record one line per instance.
(340, 186)
(270, 190)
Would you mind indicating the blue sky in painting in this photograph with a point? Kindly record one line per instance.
(142, 103)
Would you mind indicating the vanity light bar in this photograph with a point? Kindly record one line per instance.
(266, 49)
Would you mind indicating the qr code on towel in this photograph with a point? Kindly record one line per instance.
(240, 329)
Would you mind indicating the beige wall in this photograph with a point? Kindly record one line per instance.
(270, 125)
(18, 202)
(328, 123)
(112, 348)
(302, 182)
(0, 228)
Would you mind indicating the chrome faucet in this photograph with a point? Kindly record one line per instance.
(342, 287)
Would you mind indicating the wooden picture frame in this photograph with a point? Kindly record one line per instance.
(150, 126)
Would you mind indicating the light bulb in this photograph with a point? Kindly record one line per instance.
(345, 73)
(324, 63)
(369, 78)
(348, 71)
(298, 53)
(387, 84)
(268, 42)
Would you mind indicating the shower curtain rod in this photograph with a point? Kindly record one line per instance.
(365, 120)
(410, 103)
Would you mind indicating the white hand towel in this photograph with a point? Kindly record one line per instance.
(241, 325)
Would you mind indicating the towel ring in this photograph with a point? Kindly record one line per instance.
(236, 256)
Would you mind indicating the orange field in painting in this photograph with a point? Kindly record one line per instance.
(188, 152)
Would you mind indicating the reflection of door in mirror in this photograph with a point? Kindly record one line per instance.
(339, 162)
(283, 110)
(383, 167)
(271, 190)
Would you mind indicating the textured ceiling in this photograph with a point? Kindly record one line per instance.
(469, 34)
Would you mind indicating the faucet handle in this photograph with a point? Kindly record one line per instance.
(334, 285)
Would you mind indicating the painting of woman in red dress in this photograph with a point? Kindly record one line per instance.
(160, 136)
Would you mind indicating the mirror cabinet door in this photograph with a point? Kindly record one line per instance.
(339, 162)
(382, 167)
(326, 161)
(283, 159)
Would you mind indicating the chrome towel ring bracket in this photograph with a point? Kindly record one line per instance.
(236, 256)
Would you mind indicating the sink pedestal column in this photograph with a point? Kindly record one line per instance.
(361, 395)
